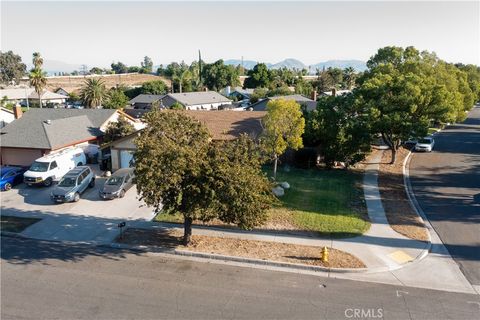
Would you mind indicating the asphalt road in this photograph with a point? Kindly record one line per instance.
(446, 184)
(45, 280)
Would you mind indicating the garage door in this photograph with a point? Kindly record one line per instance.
(20, 157)
(126, 159)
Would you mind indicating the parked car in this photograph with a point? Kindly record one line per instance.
(10, 176)
(73, 184)
(118, 183)
(53, 166)
(425, 144)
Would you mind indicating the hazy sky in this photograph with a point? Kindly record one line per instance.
(96, 33)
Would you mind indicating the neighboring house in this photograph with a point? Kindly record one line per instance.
(202, 100)
(223, 125)
(145, 101)
(20, 95)
(38, 132)
(63, 92)
(6, 116)
(305, 102)
(238, 93)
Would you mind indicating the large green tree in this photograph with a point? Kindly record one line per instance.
(12, 69)
(340, 128)
(217, 75)
(94, 92)
(284, 126)
(179, 170)
(259, 76)
(116, 99)
(406, 91)
(147, 65)
(117, 130)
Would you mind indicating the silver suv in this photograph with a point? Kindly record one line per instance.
(74, 183)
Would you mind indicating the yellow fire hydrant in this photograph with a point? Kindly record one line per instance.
(325, 254)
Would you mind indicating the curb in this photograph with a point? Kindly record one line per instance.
(252, 261)
(413, 200)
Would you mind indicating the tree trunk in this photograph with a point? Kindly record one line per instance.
(187, 231)
(394, 155)
(275, 162)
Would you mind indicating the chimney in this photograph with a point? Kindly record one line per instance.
(314, 95)
(334, 92)
(17, 112)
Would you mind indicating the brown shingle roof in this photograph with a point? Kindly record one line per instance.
(229, 125)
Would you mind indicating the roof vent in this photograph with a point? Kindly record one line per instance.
(48, 121)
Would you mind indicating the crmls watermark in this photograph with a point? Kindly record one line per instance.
(369, 313)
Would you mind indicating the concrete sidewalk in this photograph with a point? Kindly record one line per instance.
(381, 248)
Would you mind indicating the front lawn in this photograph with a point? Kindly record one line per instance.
(328, 202)
(15, 224)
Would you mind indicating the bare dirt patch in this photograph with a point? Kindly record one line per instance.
(265, 250)
(399, 211)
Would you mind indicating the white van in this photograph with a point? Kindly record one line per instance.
(54, 166)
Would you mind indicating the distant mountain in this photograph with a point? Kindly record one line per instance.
(247, 64)
(358, 65)
(55, 66)
(289, 64)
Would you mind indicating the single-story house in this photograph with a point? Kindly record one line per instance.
(305, 102)
(239, 93)
(6, 116)
(145, 101)
(202, 100)
(63, 92)
(223, 125)
(38, 132)
(21, 95)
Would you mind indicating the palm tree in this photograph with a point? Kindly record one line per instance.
(38, 80)
(37, 60)
(94, 92)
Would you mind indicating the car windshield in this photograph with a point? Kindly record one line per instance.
(39, 166)
(67, 182)
(426, 141)
(114, 181)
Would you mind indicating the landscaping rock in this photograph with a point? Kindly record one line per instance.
(285, 185)
(278, 191)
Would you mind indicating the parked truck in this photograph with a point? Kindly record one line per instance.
(54, 166)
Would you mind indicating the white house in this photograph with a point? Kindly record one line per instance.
(6, 116)
(20, 95)
(202, 100)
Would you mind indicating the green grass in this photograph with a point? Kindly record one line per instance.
(432, 130)
(15, 224)
(329, 202)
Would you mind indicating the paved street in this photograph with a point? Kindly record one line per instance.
(44, 280)
(446, 184)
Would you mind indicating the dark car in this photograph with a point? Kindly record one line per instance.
(74, 183)
(118, 183)
(10, 176)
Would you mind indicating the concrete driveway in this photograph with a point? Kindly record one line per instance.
(90, 219)
(446, 184)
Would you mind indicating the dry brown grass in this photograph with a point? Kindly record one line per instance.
(400, 213)
(74, 83)
(264, 250)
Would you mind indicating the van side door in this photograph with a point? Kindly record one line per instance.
(54, 170)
